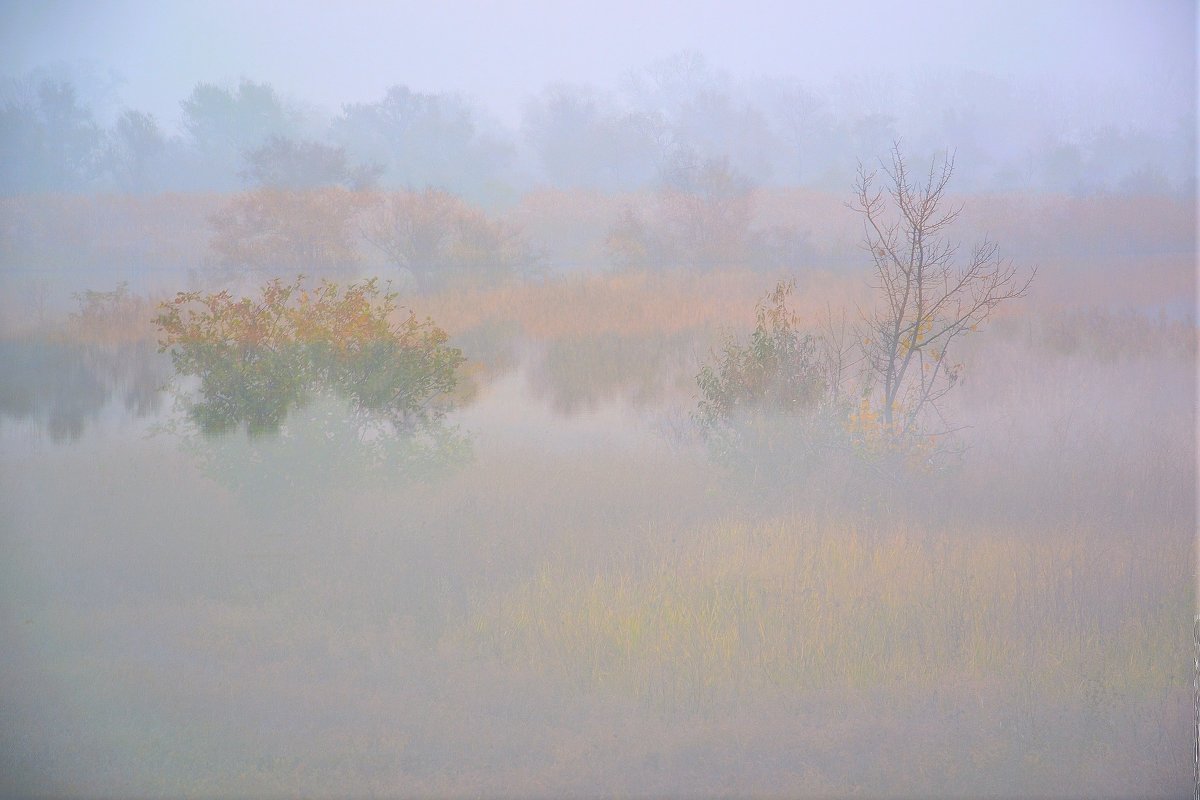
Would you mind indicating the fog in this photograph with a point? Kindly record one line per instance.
(1136, 55)
(1076, 97)
(651, 399)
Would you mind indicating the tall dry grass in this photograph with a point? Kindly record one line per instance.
(802, 604)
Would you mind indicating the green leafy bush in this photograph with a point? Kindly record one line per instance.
(769, 396)
(260, 358)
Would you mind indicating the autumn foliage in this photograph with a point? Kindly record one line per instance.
(259, 358)
(272, 229)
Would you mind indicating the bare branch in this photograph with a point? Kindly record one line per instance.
(925, 301)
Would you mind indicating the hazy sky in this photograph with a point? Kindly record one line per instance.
(501, 52)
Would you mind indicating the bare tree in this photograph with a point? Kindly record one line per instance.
(927, 300)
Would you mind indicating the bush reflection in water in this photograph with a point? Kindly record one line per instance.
(324, 382)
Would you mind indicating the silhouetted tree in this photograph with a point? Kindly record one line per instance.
(48, 141)
(718, 125)
(583, 139)
(283, 163)
(422, 140)
(136, 147)
(222, 124)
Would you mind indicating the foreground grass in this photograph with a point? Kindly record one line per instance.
(396, 643)
(799, 604)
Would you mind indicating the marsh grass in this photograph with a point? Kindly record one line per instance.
(798, 604)
(628, 303)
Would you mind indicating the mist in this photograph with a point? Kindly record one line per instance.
(656, 399)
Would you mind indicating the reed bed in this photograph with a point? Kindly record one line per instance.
(798, 604)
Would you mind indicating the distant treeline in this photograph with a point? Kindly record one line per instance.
(662, 120)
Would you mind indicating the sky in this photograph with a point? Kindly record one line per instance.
(501, 53)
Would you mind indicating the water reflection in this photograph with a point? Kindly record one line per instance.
(578, 373)
(324, 442)
(323, 385)
(64, 386)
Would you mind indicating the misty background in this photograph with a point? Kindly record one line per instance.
(490, 99)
